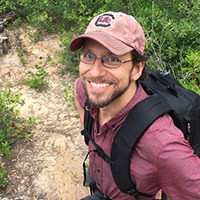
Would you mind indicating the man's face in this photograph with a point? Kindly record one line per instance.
(104, 85)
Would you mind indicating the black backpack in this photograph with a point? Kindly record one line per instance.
(167, 95)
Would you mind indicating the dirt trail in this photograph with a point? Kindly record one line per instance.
(49, 164)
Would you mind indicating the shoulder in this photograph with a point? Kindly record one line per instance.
(165, 146)
(168, 160)
(175, 162)
(160, 134)
(164, 130)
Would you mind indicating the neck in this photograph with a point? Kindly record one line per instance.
(108, 112)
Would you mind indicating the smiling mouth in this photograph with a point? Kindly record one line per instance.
(99, 85)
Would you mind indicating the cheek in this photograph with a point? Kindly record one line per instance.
(126, 74)
(122, 77)
(82, 69)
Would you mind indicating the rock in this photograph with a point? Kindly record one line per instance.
(4, 45)
(2, 51)
(2, 26)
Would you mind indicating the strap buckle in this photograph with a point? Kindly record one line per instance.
(83, 132)
(133, 192)
(100, 153)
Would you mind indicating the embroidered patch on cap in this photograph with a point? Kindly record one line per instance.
(105, 20)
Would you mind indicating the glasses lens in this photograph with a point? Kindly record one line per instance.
(111, 62)
(87, 58)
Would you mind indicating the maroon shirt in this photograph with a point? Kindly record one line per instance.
(161, 159)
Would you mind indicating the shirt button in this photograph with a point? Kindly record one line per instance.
(98, 170)
(98, 184)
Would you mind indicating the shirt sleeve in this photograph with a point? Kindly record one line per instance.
(178, 170)
(80, 94)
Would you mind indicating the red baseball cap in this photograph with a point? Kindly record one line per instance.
(118, 32)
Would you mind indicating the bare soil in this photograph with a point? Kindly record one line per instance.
(48, 165)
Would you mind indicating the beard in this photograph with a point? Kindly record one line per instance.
(118, 92)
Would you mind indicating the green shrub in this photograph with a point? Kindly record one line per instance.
(69, 94)
(171, 27)
(6, 5)
(37, 80)
(69, 60)
(11, 126)
(191, 70)
(172, 31)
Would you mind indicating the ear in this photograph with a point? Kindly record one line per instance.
(137, 70)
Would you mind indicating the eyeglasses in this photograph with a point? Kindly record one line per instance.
(107, 61)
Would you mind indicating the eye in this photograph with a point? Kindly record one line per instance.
(89, 56)
(111, 59)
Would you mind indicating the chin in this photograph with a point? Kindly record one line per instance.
(98, 104)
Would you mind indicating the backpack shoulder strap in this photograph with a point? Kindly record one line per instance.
(135, 125)
(88, 122)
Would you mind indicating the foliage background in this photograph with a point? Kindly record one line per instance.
(171, 27)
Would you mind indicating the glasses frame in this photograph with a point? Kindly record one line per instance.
(102, 61)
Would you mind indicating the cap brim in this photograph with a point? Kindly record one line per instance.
(114, 45)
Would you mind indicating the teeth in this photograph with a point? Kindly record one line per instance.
(99, 85)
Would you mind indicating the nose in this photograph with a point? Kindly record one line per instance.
(97, 69)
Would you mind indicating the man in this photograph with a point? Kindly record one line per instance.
(111, 65)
